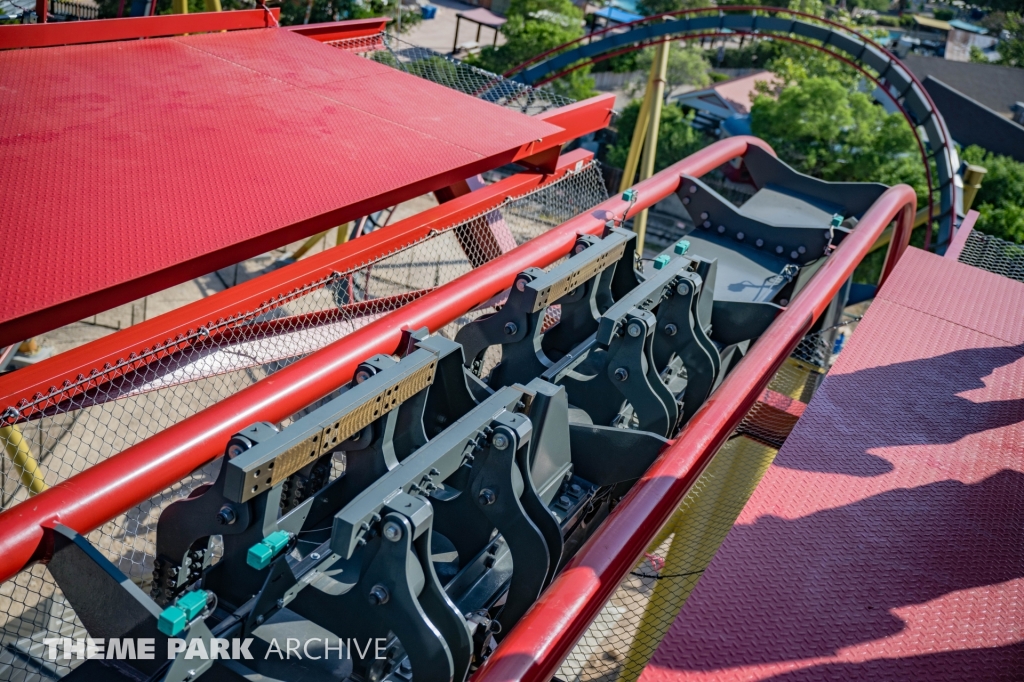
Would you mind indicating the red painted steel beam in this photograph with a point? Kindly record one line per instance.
(534, 649)
(23, 388)
(341, 30)
(104, 30)
(956, 245)
(111, 487)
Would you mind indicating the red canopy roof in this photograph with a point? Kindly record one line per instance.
(127, 167)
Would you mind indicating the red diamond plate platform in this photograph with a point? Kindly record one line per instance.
(126, 167)
(886, 542)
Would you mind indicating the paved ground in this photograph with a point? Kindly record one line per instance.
(439, 33)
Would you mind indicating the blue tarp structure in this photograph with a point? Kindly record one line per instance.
(616, 15)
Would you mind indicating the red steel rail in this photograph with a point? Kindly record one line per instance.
(100, 31)
(111, 487)
(536, 647)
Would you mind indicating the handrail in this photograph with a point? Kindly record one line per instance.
(537, 645)
(111, 487)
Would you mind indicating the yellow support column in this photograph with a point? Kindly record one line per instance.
(657, 93)
(179, 6)
(972, 183)
(636, 144)
(17, 450)
(212, 5)
(343, 231)
(698, 529)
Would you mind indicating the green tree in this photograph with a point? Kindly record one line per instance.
(832, 131)
(1011, 50)
(1000, 200)
(651, 7)
(977, 56)
(686, 66)
(534, 27)
(677, 138)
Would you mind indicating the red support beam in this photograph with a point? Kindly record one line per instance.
(101, 31)
(536, 647)
(111, 487)
(17, 389)
(956, 246)
(341, 30)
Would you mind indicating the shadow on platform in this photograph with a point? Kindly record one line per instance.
(864, 412)
(786, 590)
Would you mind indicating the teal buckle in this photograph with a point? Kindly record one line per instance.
(262, 553)
(681, 247)
(173, 619)
(661, 261)
(629, 195)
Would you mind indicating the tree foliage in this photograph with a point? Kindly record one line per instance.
(1000, 200)
(527, 36)
(677, 138)
(652, 7)
(686, 66)
(1011, 50)
(832, 131)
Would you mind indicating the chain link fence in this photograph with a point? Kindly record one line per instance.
(452, 73)
(628, 630)
(994, 254)
(108, 409)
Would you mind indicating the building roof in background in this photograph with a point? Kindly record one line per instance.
(616, 15)
(482, 16)
(970, 28)
(740, 92)
(928, 22)
(997, 87)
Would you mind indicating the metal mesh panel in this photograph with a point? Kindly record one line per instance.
(995, 255)
(112, 408)
(452, 73)
(629, 628)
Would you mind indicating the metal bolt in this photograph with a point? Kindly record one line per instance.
(226, 516)
(379, 595)
(683, 289)
(392, 531)
(511, 328)
(721, 229)
(521, 284)
(621, 374)
(779, 249)
(565, 501)
(686, 200)
(794, 255)
(280, 603)
(784, 301)
(693, 189)
(706, 224)
(828, 234)
(580, 248)
(234, 450)
(759, 243)
(362, 375)
(315, 556)
(634, 329)
(259, 620)
(671, 329)
(487, 497)
(406, 665)
(802, 249)
(500, 441)
(740, 236)
(575, 489)
(489, 561)
(704, 215)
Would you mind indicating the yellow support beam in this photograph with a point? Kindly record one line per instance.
(697, 530)
(973, 176)
(657, 94)
(18, 451)
(636, 144)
